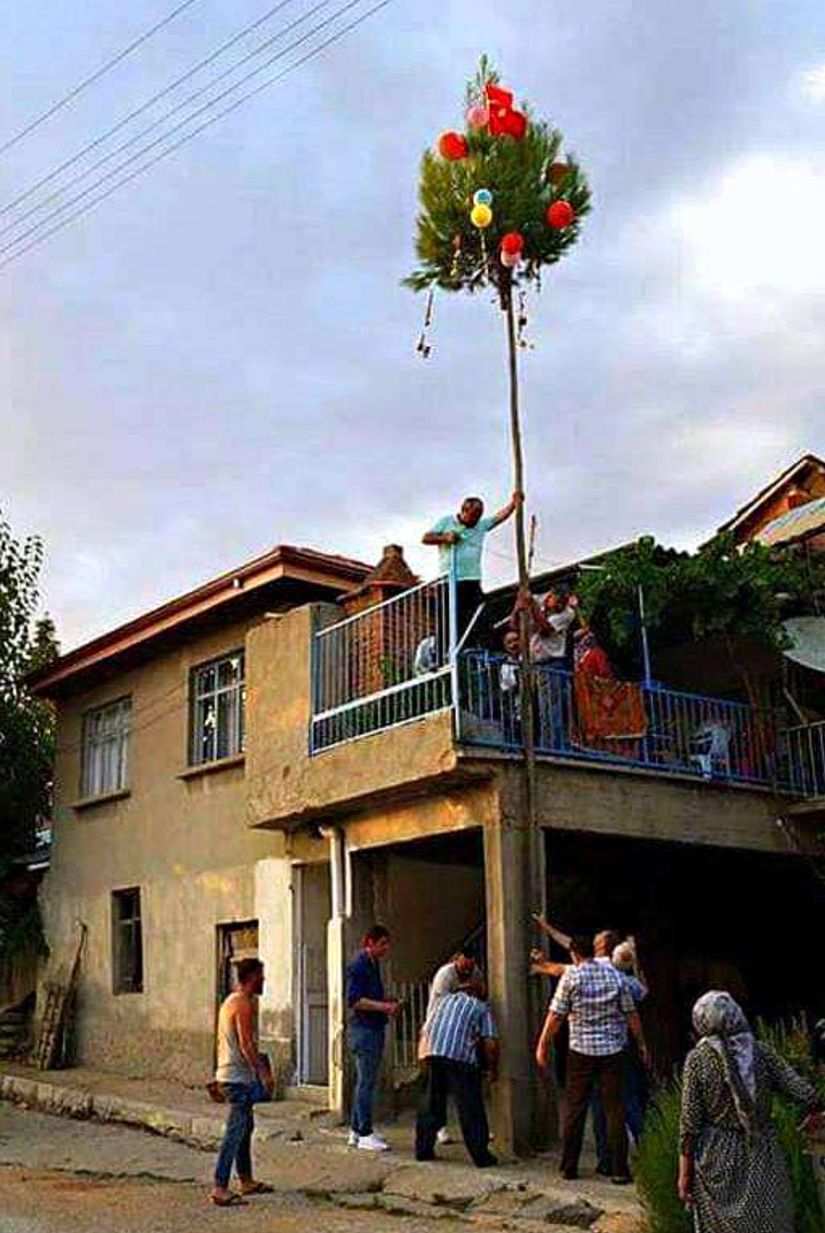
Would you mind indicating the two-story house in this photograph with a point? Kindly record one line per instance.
(301, 747)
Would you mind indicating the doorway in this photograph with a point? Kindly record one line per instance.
(312, 908)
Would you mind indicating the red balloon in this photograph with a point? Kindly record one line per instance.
(560, 214)
(515, 124)
(512, 242)
(499, 97)
(453, 146)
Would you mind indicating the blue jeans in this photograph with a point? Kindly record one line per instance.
(366, 1044)
(236, 1147)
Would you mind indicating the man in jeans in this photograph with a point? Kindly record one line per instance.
(370, 1011)
(242, 1076)
(598, 1003)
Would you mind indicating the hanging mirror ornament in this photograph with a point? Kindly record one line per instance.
(482, 196)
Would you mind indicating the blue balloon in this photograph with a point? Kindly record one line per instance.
(482, 196)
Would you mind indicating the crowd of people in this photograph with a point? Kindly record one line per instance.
(732, 1171)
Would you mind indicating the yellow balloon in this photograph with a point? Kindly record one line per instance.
(481, 215)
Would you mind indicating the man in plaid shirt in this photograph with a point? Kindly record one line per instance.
(600, 1009)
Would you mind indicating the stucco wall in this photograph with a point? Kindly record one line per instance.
(285, 784)
(185, 843)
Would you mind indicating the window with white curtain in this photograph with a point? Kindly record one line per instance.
(218, 699)
(105, 752)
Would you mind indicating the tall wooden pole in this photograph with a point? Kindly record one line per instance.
(544, 1106)
(536, 872)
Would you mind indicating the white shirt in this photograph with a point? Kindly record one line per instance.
(544, 647)
(446, 980)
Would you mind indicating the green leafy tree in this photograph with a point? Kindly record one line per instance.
(739, 596)
(26, 723)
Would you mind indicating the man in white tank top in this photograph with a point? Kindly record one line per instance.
(239, 1071)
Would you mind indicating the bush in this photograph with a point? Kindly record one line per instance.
(657, 1162)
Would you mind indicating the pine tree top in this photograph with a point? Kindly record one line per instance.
(525, 176)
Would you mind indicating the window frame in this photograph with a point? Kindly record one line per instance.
(132, 926)
(97, 742)
(237, 718)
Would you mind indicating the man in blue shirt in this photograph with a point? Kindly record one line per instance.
(370, 1012)
(460, 540)
(458, 1028)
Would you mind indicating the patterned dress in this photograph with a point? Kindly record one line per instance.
(741, 1183)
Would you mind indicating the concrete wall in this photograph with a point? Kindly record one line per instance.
(184, 842)
(431, 907)
(610, 801)
(286, 785)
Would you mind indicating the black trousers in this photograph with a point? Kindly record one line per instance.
(463, 1082)
(583, 1074)
(468, 595)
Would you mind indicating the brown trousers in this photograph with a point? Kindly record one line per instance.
(583, 1074)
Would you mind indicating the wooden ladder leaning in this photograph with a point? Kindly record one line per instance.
(51, 1039)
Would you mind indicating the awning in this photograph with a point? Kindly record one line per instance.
(808, 637)
(799, 523)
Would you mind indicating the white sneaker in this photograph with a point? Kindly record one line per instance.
(444, 1137)
(372, 1143)
(352, 1138)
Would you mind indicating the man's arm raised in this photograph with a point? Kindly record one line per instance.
(515, 501)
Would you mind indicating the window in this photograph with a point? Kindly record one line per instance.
(127, 942)
(105, 748)
(218, 700)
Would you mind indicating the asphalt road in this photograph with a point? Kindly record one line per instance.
(62, 1176)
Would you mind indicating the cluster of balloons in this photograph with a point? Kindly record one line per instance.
(500, 118)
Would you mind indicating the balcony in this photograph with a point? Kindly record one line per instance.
(806, 746)
(397, 662)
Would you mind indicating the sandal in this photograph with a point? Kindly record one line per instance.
(231, 1200)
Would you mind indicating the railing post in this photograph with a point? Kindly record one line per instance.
(452, 632)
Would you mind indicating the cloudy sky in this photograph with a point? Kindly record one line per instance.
(220, 357)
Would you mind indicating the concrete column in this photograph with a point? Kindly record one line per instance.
(273, 909)
(520, 1115)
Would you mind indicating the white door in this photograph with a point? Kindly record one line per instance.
(312, 902)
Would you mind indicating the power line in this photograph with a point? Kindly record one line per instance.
(93, 77)
(138, 111)
(144, 132)
(40, 238)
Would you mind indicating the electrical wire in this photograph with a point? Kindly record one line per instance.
(144, 107)
(167, 115)
(41, 238)
(93, 77)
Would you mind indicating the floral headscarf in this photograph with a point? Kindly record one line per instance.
(720, 1022)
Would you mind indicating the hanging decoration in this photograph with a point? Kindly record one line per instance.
(478, 117)
(481, 216)
(560, 215)
(424, 347)
(453, 146)
(482, 196)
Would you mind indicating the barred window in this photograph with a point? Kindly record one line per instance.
(217, 707)
(127, 942)
(105, 748)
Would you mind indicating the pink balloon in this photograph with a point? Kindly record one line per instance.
(510, 260)
(478, 117)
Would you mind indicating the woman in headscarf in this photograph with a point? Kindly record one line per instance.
(731, 1167)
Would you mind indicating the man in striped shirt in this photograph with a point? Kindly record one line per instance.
(459, 1029)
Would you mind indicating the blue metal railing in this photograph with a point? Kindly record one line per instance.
(383, 667)
(648, 727)
(806, 756)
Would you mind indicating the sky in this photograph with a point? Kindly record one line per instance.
(221, 357)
